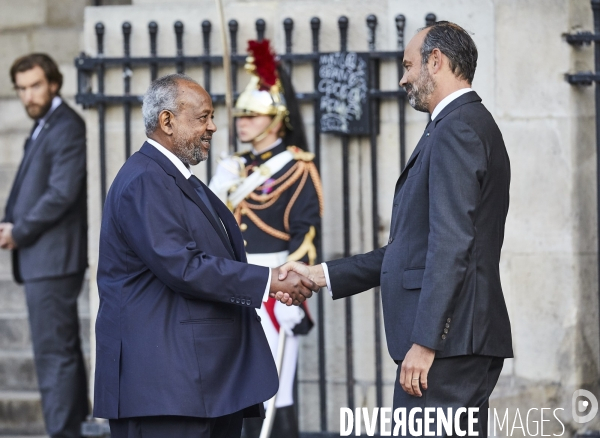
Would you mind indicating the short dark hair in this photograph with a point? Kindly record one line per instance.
(454, 42)
(41, 60)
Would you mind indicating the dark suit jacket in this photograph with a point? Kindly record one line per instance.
(439, 273)
(177, 332)
(47, 203)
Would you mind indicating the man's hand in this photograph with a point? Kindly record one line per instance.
(415, 368)
(295, 288)
(6, 239)
(314, 273)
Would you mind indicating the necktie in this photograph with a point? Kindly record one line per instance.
(200, 190)
(29, 139)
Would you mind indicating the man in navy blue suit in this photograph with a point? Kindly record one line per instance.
(446, 321)
(180, 348)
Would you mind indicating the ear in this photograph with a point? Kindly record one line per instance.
(165, 121)
(53, 88)
(435, 61)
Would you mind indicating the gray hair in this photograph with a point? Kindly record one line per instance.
(161, 96)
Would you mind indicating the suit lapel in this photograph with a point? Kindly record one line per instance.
(153, 153)
(412, 159)
(35, 145)
(469, 97)
(231, 225)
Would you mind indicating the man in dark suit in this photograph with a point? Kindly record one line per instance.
(45, 226)
(446, 321)
(180, 348)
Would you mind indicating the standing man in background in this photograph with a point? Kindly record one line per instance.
(45, 227)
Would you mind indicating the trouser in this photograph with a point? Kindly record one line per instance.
(59, 364)
(454, 382)
(227, 426)
(285, 424)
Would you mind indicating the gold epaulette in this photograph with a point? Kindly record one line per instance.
(301, 155)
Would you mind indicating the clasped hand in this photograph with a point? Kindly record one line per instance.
(6, 239)
(293, 282)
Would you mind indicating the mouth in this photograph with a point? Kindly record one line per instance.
(206, 139)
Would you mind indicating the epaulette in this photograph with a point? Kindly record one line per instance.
(301, 155)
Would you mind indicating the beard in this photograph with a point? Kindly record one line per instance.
(419, 92)
(191, 151)
(36, 111)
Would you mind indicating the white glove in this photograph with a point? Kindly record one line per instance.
(226, 176)
(288, 317)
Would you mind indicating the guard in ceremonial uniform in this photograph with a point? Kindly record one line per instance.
(275, 193)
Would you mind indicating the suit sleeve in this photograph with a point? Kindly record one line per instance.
(65, 183)
(457, 165)
(152, 223)
(305, 220)
(352, 275)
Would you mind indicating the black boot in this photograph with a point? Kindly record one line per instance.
(285, 424)
(251, 427)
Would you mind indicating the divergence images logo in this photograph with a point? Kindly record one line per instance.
(581, 402)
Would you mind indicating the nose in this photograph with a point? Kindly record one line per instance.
(211, 126)
(403, 81)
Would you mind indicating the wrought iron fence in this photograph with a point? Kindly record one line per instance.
(88, 66)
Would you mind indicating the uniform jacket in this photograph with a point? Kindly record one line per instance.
(177, 331)
(47, 203)
(292, 211)
(439, 273)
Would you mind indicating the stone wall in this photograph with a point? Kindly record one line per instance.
(549, 260)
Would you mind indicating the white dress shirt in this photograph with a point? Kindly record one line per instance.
(187, 173)
(436, 111)
(446, 100)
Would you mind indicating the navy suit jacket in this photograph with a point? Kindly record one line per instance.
(177, 332)
(48, 201)
(439, 273)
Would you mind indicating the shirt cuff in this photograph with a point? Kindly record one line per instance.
(268, 288)
(326, 273)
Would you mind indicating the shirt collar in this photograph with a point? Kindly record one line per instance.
(185, 171)
(274, 145)
(446, 100)
(56, 101)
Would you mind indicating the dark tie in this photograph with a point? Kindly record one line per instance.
(29, 139)
(201, 191)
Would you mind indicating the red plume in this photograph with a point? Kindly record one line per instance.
(264, 60)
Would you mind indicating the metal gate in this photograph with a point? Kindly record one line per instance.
(90, 66)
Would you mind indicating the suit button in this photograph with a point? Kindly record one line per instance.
(258, 318)
(443, 337)
(243, 227)
(237, 301)
(390, 240)
(248, 301)
(445, 331)
(232, 299)
(447, 325)
(449, 320)
(243, 301)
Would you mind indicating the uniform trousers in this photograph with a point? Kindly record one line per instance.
(59, 364)
(227, 426)
(454, 382)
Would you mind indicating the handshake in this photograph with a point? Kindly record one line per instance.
(294, 282)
